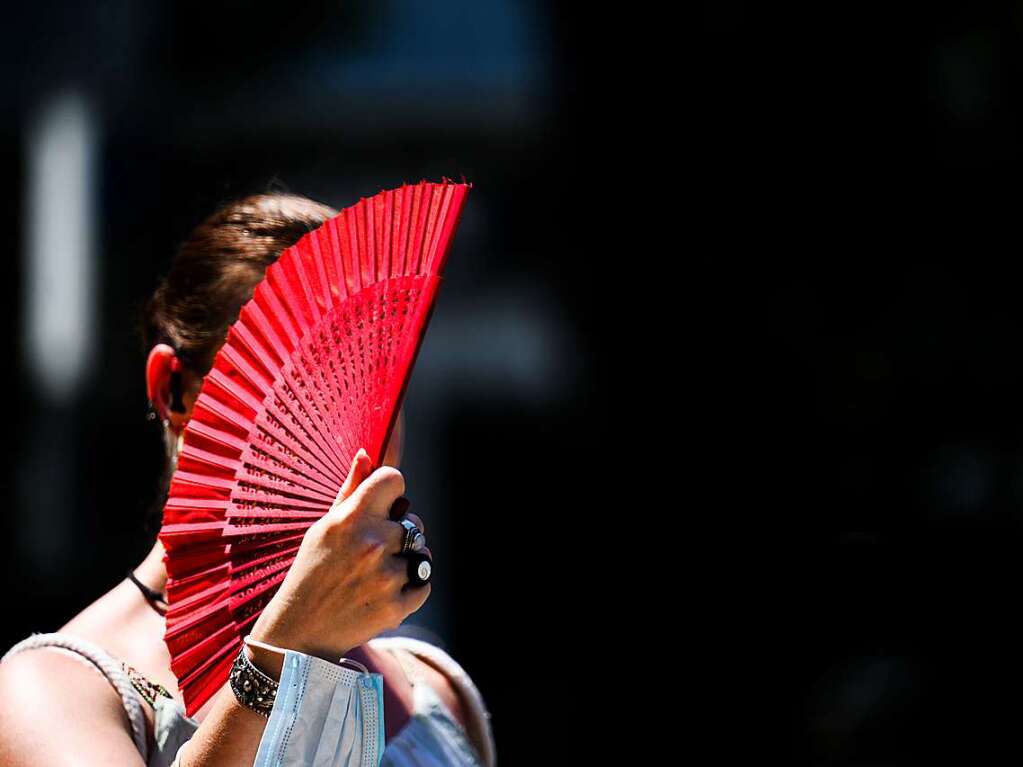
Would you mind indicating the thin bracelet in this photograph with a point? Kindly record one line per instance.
(250, 641)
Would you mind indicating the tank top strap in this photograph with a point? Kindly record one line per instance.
(404, 658)
(113, 669)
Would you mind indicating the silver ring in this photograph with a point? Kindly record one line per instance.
(413, 540)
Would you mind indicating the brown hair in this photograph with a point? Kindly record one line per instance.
(215, 271)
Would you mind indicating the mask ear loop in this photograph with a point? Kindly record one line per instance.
(250, 641)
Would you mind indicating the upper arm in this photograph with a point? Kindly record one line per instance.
(446, 691)
(474, 721)
(55, 711)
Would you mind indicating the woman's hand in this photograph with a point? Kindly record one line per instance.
(347, 583)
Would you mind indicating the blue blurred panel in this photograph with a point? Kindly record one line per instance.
(416, 48)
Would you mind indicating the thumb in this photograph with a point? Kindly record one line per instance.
(362, 467)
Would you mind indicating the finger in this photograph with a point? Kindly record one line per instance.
(378, 492)
(399, 508)
(397, 534)
(395, 538)
(396, 568)
(414, 597)
(425, 553)
(361, 468)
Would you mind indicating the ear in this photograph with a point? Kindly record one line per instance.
(161, 367)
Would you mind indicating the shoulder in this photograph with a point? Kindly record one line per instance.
(43, 691)
(451, 682)
(421, 669)
(47, 675)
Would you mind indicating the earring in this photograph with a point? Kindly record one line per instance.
(152, 415)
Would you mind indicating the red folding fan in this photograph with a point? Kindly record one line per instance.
(314, 368)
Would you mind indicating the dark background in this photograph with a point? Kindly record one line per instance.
(191, 104)
(857, 175)
(754, 275)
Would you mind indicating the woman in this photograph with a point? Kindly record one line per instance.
(342, 591)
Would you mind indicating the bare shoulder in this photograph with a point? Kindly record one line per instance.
(438, 680)
(44, 692)
(467, 713)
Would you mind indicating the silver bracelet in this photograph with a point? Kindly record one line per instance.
(252, 687)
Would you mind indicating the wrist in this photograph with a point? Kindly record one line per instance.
(273, 631)
(270, 663)
(252, 687)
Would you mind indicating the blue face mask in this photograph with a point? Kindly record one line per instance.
(324, 715)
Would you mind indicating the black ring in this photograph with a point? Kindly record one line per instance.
(415, 559)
